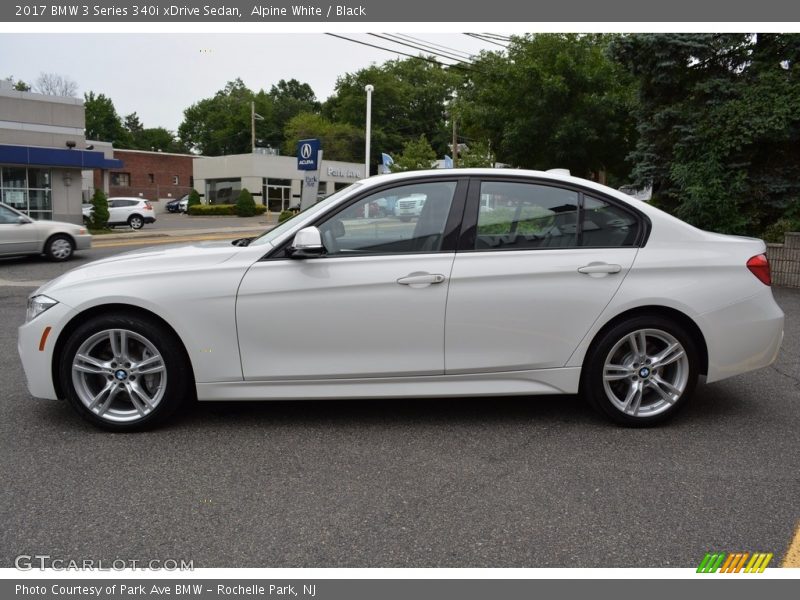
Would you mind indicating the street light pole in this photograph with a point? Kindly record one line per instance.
(369, 89)
(252, 127)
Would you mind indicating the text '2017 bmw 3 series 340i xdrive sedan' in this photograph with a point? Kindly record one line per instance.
(502, 283)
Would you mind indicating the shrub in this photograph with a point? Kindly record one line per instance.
(194, 199)
(99, 210)
(245, 206)
(286, 214)
(219, 210)
(775, 233)
(212, 209)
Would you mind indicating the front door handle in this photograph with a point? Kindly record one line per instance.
(421, 279)
(599, 268)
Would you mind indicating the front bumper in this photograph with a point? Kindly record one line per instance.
(83, 242)
(37, 356)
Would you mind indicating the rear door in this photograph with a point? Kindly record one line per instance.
(537, 264)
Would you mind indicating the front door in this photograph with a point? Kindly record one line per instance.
(16, 237)
(373, 306)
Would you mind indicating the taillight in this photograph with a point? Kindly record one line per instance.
(148, 206)
(759, 266)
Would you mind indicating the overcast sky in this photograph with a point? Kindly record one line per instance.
(159, 75)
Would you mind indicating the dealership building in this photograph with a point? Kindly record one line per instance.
(43, 152)
(273, 180)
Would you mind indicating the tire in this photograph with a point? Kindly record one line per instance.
(132, 375)
(136, 222)
(638, 389)
(59, 248)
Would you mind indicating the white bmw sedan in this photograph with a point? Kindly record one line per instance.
(507, 283)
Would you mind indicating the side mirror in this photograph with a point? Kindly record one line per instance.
(23, 220)
(307, 243)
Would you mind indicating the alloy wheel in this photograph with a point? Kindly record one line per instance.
(645, 373)
(119, 375)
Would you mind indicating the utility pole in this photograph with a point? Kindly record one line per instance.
(455, 144)
(252, 126)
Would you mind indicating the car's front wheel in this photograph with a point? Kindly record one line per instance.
(641, 371)
(136, 222)
(59, 247)
(124, 372)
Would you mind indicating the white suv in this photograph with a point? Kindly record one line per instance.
(125, 211)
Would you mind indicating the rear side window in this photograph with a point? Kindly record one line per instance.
(606, 226)
(522, 216)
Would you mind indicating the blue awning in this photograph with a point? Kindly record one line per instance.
(56, 157)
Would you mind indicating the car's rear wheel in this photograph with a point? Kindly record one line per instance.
(59, 247)
(124, 372)
(136, 222)
(641, 371)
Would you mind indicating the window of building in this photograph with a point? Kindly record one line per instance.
(278, 193)
(223, 191)
(27, 190)
(175, 180)
(151, 177)
(121, 179)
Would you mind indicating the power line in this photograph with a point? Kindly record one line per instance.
(432, 45)
(438, 54)
(481, 38)
(425, 58)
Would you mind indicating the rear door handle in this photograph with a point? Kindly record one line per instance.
(599, 268)
(421, 279)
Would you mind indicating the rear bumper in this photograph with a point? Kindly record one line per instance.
(743, 336)
(149, 219)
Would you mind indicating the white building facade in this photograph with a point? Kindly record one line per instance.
(274, 181)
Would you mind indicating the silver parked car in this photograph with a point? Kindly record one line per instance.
(19, 234)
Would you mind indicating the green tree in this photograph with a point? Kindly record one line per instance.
(552, 100)
(193, 200)
(102, 121)
(477, 155)
(340, 141)
(222, 124)
(99, 210)
(245, 205)
(417, 154)
(719, 126)
(410, 99)
(18, 84)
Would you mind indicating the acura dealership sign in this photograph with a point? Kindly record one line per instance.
(307, 151)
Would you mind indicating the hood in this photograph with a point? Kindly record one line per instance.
(147, 261)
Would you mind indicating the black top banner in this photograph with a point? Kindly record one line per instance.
(369, 11)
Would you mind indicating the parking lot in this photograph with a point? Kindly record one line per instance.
(510, 482)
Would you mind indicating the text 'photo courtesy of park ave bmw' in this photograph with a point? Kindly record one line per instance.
(535, 265)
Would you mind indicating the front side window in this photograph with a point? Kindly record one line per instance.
(408, 218)
(8, 216)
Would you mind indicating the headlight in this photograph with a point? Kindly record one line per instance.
(37, 305)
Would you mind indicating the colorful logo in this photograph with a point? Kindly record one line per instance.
(714, 562)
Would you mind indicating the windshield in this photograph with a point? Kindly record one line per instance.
(273, 234)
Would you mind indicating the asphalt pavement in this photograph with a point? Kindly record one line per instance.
(507, 482)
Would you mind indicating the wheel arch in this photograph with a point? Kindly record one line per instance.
(100, 310)
(667, 312)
